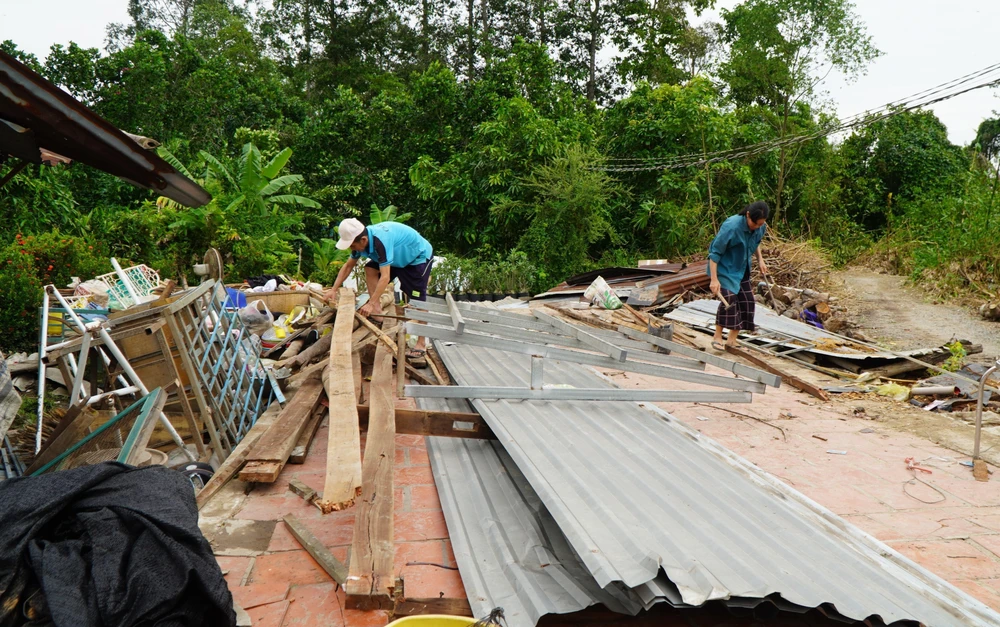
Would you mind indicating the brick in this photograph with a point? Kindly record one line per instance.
(419, 525)
(237, 567)
(323, 604)
(292, 567)
(275, 507)
(414, 475)
(418, 456)
(424, 497)
(270, 615)
(257, 594)
(334, 529)
(410, 440)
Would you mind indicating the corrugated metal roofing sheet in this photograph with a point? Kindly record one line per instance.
(637, 494)
(509, 550)
(701, 313)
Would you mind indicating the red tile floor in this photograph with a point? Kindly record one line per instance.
(278, 583)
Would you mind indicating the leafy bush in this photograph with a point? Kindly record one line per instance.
(22, 294)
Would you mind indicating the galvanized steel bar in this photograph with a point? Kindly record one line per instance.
(578, 394)
(590, 340)
(639, 350)
(456, 316)
(744, 371)
(475, 339)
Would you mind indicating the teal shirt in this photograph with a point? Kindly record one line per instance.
(394, 244)
(732, 250)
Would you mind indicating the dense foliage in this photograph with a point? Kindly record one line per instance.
(500, 129)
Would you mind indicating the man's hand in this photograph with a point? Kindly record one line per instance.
(370, 308)
(330, 295)
(763, 266)
(715, 286)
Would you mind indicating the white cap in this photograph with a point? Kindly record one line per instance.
(349, 231)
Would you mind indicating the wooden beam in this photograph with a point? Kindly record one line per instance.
(343, 455)
(301, 489)
(304, 443)
(377, 331)
(231, 466)
(437, 366)
(333, 567)
(451, 424)
(791, 380)
(371, 582)
(448, 607)
(270, 454)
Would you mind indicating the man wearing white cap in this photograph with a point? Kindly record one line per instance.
(393, 251)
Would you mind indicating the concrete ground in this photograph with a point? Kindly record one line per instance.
(943, 520)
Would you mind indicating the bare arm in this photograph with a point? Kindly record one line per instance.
(713, 268)
(374, 302)
(760, 262)
(345, 271)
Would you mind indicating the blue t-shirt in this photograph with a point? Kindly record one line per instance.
(732, 250)
(394, 244)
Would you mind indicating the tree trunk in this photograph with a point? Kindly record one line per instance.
(708, 178)
(485, 8)
(782, 132)
(425, 35)
(472, 38)
(595, 9)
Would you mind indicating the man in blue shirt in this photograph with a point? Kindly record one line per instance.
(729, 258)
(393, 251)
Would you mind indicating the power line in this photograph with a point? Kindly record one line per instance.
(987, 77)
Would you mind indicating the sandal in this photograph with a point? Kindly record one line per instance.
(719, 346)
(415, 353)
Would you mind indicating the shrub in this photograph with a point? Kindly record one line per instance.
(21, 291)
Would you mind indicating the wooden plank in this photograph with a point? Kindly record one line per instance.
(400, 359)
(269, 455)
(343, 456)
(304, 443)
(371, 581)
(356, 370)
(231, 466)
(420, 377)
(451, 424)
(71, 427)
(448, 607)
(301, 489)
(437, 366)
(168, 356)
(315, 548)
(791, 380)
(377, 331)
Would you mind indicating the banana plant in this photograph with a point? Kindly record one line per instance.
(258, 185)
(389, 214)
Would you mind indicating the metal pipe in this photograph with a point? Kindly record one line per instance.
(126, 281)
(933, 390)
(44, 333)
(979, 407)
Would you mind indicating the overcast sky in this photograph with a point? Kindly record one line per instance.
(925, 43)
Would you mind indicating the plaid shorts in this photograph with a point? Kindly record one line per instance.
(739, 314)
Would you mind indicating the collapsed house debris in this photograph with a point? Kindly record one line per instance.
(607, 485)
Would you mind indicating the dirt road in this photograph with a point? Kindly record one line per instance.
(892, 312)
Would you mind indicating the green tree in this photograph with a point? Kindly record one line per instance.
(569, 210)
(780, 52)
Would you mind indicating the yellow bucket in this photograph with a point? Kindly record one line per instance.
(433, 620)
